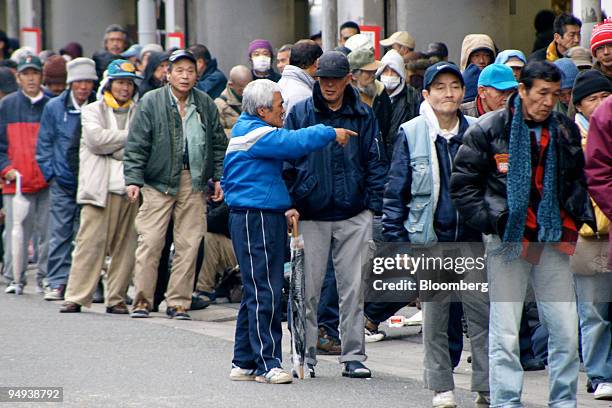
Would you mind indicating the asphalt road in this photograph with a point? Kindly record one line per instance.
(114, 361)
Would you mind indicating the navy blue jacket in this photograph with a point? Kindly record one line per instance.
(448, 225)
(213, 81)
(337, 183)
(59, 123)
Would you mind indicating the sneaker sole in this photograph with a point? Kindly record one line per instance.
(606, 397)
(243, 378)
(357, 375)
(262, 379)
(374, 339)
(139, 316)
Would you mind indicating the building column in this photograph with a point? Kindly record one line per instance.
(589, 12)
(329, 31)
(12, 18)
(147, 27)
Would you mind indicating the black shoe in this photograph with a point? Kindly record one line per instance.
(198, 303)
(177, 312)
(98, 297)
(355, 369)
(128, 300)
(140, 310)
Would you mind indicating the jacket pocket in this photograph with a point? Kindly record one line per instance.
(305, 187)
(417, 216)
(421, 177)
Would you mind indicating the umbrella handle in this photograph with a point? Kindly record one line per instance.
(294, 227)
(18, 182)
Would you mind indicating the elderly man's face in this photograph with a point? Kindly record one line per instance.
(333, 89)
(273, 116)
(115, 42)
(183, 75)
(603, 54)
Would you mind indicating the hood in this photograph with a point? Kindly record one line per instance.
(393, 60)
(155, 60)
(473, 42)
(211, 66)
(293, 73)
(505, 55)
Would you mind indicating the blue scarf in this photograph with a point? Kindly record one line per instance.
(519, 187)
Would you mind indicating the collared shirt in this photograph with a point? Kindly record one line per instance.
(190, 109)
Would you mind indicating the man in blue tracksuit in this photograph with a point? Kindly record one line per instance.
(60, 124)
(417, 208)
(259, 203)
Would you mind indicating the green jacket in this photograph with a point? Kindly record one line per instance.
(154, 150)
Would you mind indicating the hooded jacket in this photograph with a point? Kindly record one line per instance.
(60, 124)
(296, 85)
(212, 81)
(337, 183)
(474, 42)
(148, 81)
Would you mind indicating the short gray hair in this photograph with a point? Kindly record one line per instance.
(259, 94)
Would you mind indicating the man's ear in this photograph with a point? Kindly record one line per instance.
(557, 37)
(261, 112)
(425, 94)
(522, 89)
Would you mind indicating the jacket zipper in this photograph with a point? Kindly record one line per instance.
(171, 151)
(377, 148)
(450, 161)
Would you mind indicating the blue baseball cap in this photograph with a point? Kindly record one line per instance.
(440, 68)
(133, 51)
(569, 72)
(498, 76)
(121, 68)
(511, 58)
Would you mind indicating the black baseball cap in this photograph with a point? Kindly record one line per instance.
(182, 54)
(439, 68)
(333, 64)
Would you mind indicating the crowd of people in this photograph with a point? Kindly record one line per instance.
(152, 168)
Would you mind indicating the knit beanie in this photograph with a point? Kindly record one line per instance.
(72, 49)
(81, 69)
(568, 70)
(602, 34)
(54, 70)
(259, 43)
(589, 82)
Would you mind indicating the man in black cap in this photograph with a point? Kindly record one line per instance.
(418, 209)
(176, 143)
(337, 191)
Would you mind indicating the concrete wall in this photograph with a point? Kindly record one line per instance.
(227, 27)
(84, 21)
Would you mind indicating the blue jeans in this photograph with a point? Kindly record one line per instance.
(63, 226)
(593, 296)
(551, 279)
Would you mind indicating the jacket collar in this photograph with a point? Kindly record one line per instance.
(29, 101)
(298, 74)
(351, 105)
(211, 67)
(68, 103)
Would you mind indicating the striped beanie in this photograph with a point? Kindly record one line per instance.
(602, 34)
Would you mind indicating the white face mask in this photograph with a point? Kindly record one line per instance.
(262, 63)
(390, 82)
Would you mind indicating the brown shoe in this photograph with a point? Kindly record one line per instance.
(140, 309)
(70, 307)
(119, 308)
(178, 313)
(327, 345)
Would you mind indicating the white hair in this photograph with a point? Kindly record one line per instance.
(259, 94)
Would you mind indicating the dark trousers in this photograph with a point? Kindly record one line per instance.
(63, 226)
(259, 239)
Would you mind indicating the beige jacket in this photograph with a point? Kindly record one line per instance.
(473, 42)
(229, 109)
(101, 144)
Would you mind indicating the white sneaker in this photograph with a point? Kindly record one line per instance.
(275, 375)
(444, 399)
(416, 320)
(603, 392)
(11, 288)
(242, 374)
(372, 336)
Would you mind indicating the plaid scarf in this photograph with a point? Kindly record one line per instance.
(528, 219)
